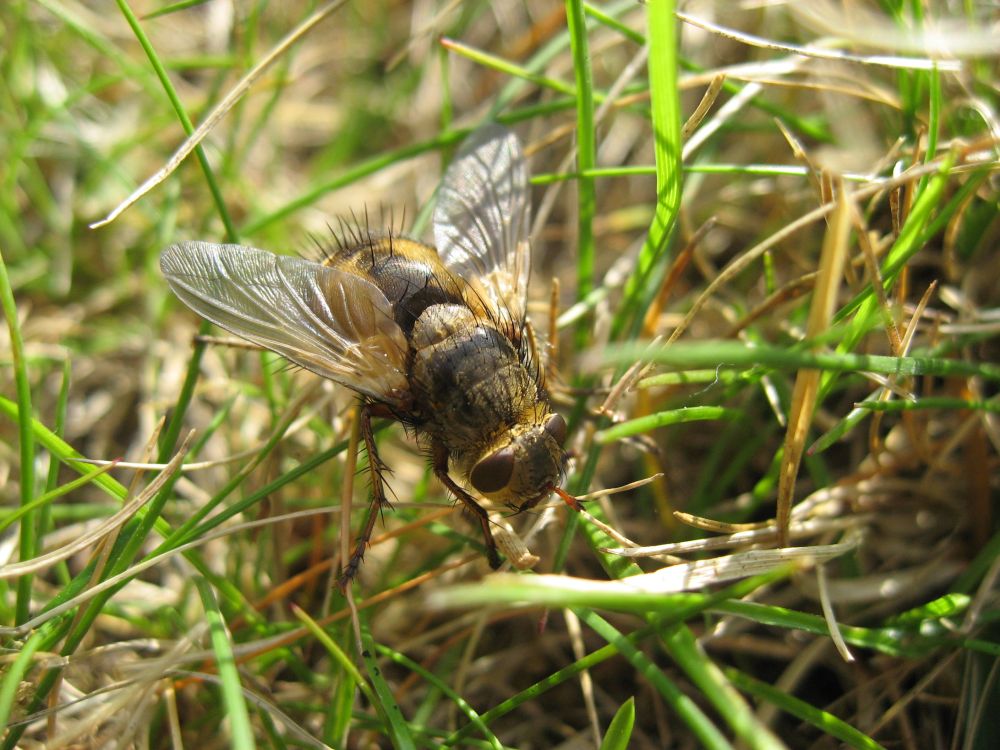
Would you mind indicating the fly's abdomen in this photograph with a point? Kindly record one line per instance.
(408, 273)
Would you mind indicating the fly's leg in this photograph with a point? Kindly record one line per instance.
(441, 472)
(378, 501)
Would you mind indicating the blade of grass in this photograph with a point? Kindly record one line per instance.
(130, 538)
(822, 720)
(505, 66)
(237, 714)
(650, 422)
(586, 159)
(665, 110)
(52, 481)
(680, 643)
(893, 641)
(354, 174)
(620, 729)
(581, 481)
(106, 49)
(762, 170)
(676, 609)
(570, 672)
(432, 679)
(813, 128)
(43, 500)
(134, 534)
(14, 675)
(194, 528)
(343, 660)
(933, 402)
(385, 703)
(338, 723)
(28, 542)
(910, 241)
(605, 19)
(578, 484)
(697, 721)
(172, 8)
(732, 354)
(193, 143)
(168, 89)
(173, 430)
(806, 390)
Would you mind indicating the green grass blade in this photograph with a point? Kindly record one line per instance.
(170, 91)
(701, 354)
(665, 109)
(620, 729)
(698, 722)
(174, 426)
(28, 542)
(343, 659)
(684, 648)
(906, 246)
(586, 157)
(533, 691)
(641, 425)
(933, 402)
(432, 679)
(822, 720)
(45, 499)
(13, 676)
(52, 481)
(237, 713)
(389, 710)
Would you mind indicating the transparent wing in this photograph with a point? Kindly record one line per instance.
(481, 218)
(329, 321)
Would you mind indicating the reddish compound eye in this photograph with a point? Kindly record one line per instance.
(493, 473)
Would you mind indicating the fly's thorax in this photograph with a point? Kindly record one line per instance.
(469, 383)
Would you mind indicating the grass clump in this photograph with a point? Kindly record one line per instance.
(775, 234)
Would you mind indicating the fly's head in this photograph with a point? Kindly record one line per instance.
(525, 464)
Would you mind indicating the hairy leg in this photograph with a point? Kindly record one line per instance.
(378, 501)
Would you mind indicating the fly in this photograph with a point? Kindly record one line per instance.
(434, 338)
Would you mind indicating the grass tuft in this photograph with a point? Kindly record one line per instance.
(774, 233)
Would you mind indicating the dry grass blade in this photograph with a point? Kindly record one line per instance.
(890, 61)
(106, 527)
(151, 562)
(220, 110)
(741, 263)
(831, 270)
(707, 100)
(696, 575)
(513, 547)
(700, 573)
(940, 38)
(831, 619)
(765, 535)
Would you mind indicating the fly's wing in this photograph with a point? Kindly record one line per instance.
(334, 323)
(481, 220)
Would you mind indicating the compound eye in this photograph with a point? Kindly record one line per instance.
(493, 473)
(556, 427)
